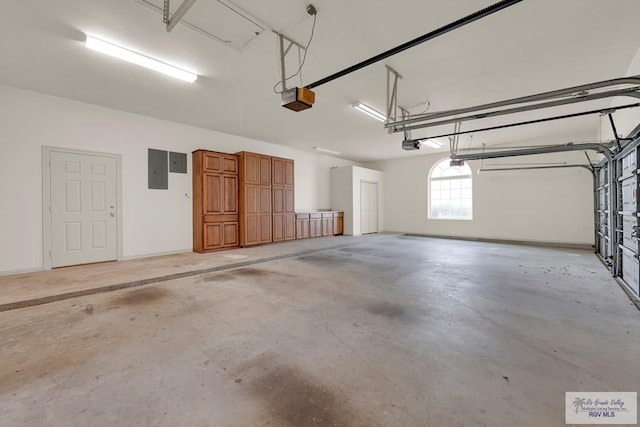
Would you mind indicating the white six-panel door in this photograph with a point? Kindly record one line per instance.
(83, 208)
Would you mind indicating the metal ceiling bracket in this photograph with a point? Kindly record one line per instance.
(454, 140)
(615, 131)
(165, 12)
(283, 54)
(172, 20)
(407, 134)
(593, 168)
(392, 96)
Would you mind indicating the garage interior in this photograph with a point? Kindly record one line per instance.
(420, 213)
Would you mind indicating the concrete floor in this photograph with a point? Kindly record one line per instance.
(394, 331)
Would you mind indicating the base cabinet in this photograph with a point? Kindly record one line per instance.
(338, 223)
(220, 235)
(318, 224)
(302, 226)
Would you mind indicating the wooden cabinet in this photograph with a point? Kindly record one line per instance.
(302, 225)
(242, 199)
(284, 220)
(266, 201)
(315, 224)
(255, 205)
(327, 224)
(215, 201)
(318, 224)
(338, 223)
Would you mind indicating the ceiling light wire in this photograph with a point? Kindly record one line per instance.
(300, 64)
(304, 58)
(469, 145)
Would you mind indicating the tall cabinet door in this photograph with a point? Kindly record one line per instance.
(288, 172)
(229, 200)
(212, 193)
(289, 214)
(277, 171)
(251, 220)
(265, 214)
(278, 213)
(265, 170)
(250, 168)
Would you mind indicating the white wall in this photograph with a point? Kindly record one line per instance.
(154, 221)
(342, 195)
(345, 193)
(537, 206)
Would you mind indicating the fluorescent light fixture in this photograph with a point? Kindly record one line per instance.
(433, 143)
(326, 150)
(125, 54)
(370, 111)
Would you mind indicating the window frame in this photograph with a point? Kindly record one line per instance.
(431, 178)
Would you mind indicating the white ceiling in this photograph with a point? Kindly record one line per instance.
(534, 46)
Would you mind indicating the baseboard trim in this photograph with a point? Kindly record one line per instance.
(581, 246)
(154, 254)
(21, 271)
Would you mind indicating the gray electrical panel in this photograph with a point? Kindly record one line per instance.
(177, 162)
(158, 170)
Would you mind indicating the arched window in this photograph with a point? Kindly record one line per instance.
(450, 192)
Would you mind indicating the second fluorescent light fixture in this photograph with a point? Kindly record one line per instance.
(433, 143)
(326, 150)
(125, 54)
(370, 111)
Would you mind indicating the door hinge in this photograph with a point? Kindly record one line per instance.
(50, 211)
(49, 254)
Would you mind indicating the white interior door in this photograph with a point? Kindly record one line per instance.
(373, 207)
(368, 207)
(364, 208)
(83, 208)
